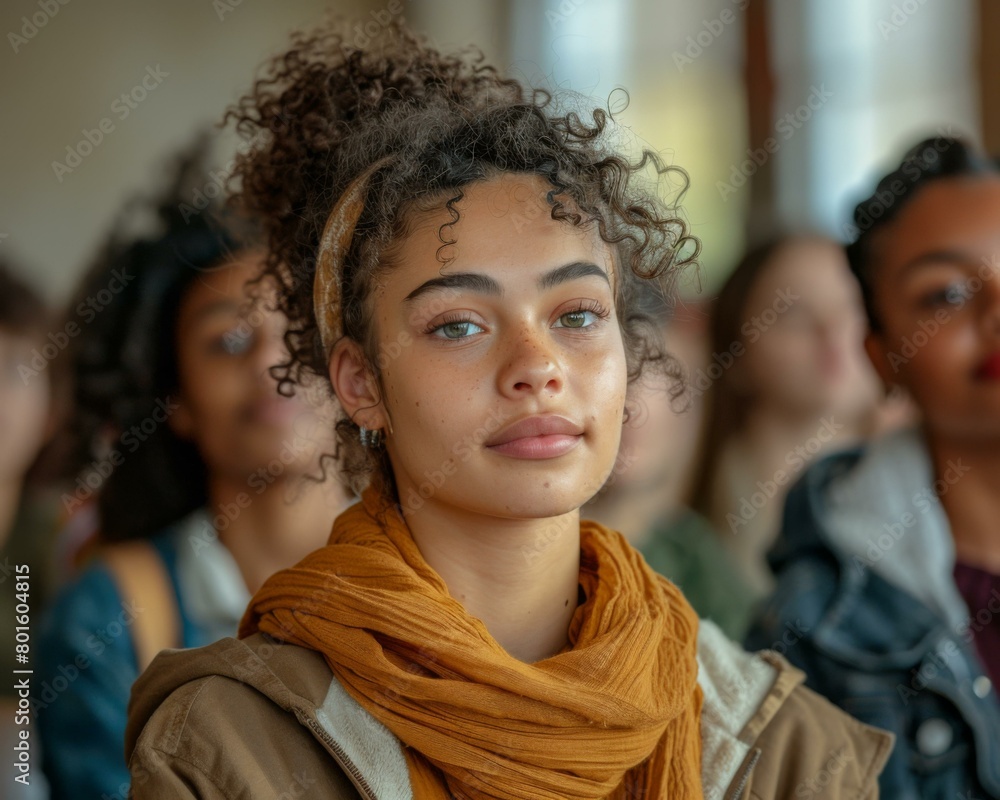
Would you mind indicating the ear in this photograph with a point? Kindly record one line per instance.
(355, 385)
(181, 421)
(878, 353)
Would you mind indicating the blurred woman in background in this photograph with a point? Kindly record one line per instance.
(888, 561)
(644, 497)
(194, 457)
(29, 518)
(786, 380)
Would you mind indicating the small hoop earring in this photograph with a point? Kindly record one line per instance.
(370, 438)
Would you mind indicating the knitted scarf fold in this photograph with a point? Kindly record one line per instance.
(615, 715)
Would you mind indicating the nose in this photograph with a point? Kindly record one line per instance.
(530, 365)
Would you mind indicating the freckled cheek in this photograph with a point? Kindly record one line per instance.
(604, 380)
(424, 391)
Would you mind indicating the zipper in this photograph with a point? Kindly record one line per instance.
(359, 781)
(737, 789)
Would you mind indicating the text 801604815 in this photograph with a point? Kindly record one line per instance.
(22, 680)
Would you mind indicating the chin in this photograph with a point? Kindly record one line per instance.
(533, 501)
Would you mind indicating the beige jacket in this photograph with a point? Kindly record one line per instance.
(261, 719)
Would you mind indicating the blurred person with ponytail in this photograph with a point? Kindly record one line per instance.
(786, 381)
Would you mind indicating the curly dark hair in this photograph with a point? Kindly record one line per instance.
(325, 111)
(125, 359)
(931, 160)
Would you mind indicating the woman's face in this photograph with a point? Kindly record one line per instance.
(228, 401)
(520, 325)
(937, 293)
(803, 329)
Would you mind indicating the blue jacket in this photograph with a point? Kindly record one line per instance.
(88, 663)
(866, 605)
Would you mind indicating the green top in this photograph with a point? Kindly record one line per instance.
(686, 549)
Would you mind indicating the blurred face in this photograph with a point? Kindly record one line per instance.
(803, 331)
(660, 435)
(504, 371)
(228, 402)
(24, 406)
(937, 294)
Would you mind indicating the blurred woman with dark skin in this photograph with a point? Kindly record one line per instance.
(197, 460)
(889, 556)
(786, 380)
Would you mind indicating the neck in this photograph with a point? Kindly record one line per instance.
(279, 526)
(10, 501)
(774, 442)
(968, 479)
(520, 577)
(774, 433)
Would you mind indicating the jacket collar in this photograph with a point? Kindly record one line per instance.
(871, 515)
(741, 692)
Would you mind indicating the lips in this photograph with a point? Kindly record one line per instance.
(537, 438)
(535, 426)
(989, 370)
(273, 410)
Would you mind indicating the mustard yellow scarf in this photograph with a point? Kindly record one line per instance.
(615, 715)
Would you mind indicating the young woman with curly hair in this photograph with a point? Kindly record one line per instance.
(461, 261)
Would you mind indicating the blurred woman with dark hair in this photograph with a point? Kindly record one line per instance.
(194, 454)
(786, 379)
(889, 554)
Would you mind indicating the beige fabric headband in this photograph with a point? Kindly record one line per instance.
(333, 247)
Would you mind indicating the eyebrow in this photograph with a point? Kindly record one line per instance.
(933, 257)
(484, 284)
(217, 307)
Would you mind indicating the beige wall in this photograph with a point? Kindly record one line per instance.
(67, 78)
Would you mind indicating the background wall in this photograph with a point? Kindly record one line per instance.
(874, 75)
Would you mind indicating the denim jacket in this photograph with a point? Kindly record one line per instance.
(867, 606)
(88, 663)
